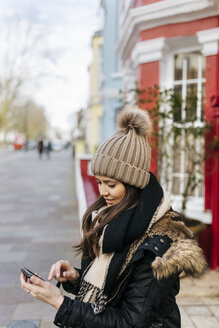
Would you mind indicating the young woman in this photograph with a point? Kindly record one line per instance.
(134, 245)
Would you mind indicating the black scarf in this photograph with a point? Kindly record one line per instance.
(128, 226)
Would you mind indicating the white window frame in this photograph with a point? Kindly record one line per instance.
(184, 82)
(195, 204)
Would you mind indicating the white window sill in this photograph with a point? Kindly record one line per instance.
(195, 209)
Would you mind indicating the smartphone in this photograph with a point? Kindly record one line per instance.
(29, 273)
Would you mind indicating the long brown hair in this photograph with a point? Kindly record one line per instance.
(92, 231)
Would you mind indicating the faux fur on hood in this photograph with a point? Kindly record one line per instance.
(184, 253)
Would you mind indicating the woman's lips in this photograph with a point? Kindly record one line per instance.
(109, 201)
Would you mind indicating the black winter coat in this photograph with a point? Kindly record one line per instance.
(144, 294)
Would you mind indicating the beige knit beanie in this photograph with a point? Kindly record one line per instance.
(126, 155)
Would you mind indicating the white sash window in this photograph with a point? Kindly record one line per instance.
(184, 71)
(189, 84)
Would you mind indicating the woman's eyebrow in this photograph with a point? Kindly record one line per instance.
(106, 181)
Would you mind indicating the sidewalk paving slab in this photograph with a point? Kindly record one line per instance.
(34, 311)
(205, 321)
(25, 324)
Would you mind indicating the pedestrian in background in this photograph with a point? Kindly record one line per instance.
(40, 147)
(48, 149)
(134, 245)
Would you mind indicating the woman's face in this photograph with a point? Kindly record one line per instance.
(112, 190)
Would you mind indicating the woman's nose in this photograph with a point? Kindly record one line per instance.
(103, 190)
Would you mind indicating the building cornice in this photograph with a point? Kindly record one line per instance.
(147, 51)
(209, 40)
(128, 4)
(161, 13)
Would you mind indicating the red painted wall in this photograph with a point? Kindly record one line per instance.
(90, 183)
(215, 194)
(180, 29)
(212, 162)
(211, 89)
(148, 76)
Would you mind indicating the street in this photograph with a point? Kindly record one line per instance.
(39, 224)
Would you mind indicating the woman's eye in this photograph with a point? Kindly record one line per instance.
(111, 186)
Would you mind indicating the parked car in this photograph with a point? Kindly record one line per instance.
(19, 142)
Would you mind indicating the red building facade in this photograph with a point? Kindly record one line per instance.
(175, 44)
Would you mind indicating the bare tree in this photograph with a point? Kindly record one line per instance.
(28, 119)
(22, 49)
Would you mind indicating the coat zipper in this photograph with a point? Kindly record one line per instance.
(116, 293)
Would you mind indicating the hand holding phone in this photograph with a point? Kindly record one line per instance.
(41, 290)
(29, 273)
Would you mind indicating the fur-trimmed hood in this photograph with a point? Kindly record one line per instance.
(174, 245)
(184, 253)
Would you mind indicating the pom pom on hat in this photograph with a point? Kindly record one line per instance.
(126, 155)
(134, 118)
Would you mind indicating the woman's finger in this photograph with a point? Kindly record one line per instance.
(24, 284)
(71, 275)
(23, 277)
(37, 281)
(67, 274)
(51, 272)
(57, 270)
(23, 280)
(61, 266)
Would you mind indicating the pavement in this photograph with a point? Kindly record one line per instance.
(198, 301)
(39, 224)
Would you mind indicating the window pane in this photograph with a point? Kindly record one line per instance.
(190, 153)
(176, 185)
(178, 68)
(177, 154)
(177, 103)
(201, 189)
(192, 65)
(189, 187)
(191, 102)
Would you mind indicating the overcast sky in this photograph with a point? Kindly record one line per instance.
(62, 55)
